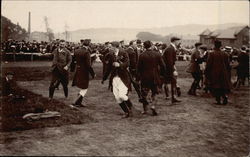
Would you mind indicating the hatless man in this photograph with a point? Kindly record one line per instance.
(83, 69)
(149, 75)
(60, 69)
(169, 57)
(120, 82)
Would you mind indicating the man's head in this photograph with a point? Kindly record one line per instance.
(217, 44)
(132, 43)
(147, 44)
(9, 75)
(85, 42)
(198, 45)
(175, 40)
(62, 43)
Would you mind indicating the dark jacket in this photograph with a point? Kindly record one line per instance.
(218, 70)
(133, 59)
(194, 66)
(169, 58)
(243, 67)
(83, 68)
(148, 68)
(121, 71)
(61, 59)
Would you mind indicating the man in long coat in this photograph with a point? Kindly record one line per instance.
(83, 69)
(217, 73)
(149, 75)
(169, 57)
(120, 82)
(60, 69)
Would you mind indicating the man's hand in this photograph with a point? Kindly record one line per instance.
(66, 67)
(116, 64)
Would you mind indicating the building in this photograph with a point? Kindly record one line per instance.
(234, 36)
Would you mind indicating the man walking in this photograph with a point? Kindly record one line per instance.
(169, 57)
(83, 69)
(60, 69)
(149, 75)
(217, 73)
(119, 81)
(194, 68)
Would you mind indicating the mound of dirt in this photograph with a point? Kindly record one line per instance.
(13, 109)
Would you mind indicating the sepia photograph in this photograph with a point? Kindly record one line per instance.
(120, 78)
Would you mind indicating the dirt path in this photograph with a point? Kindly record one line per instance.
(192, 128)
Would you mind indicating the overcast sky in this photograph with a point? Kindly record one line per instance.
(124, 14)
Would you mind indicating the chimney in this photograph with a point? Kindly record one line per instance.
(29, 28)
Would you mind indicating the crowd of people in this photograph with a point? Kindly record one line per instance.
(146, 67)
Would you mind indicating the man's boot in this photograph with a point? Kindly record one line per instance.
(51, 92)
(125, 109)
(217, 98)
(78, 101)
(65, 89)
(129, 104)
(145, 108)
(154, 113)
(225, 100)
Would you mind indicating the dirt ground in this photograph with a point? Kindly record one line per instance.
(193, 128)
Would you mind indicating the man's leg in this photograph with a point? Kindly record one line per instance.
(118, 96)
(79, 99)
(65, 81)
(144, 102)
(53, 83)
(173, 88)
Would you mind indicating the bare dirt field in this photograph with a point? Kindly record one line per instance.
(193, 128)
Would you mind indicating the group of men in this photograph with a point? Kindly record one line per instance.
(142, 66)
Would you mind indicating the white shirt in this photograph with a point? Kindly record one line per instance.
(173, 46)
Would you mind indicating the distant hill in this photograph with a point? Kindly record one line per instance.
(190, 31)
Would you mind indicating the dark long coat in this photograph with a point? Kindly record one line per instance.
(243, 67)
(148, 68)
(218, 70)
(83, 68)
(121, 71)
(169, 58)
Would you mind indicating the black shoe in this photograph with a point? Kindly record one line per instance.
(178, 90)
(174, 100)
(154, 113)
(225, 101)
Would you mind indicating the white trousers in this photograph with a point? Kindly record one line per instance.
(120, 90)
(83, 92)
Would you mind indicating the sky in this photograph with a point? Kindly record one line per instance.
(123, 14)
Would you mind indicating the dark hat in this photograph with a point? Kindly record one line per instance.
(131, 42)
(62, 40)
(138, 41)
(115, 44)
(147, 44)
(174, 39)
(217, 44)
(122, 41)
(243, 49)
(9, 73)
(203, 47)
(82, 40)
(197, 44)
